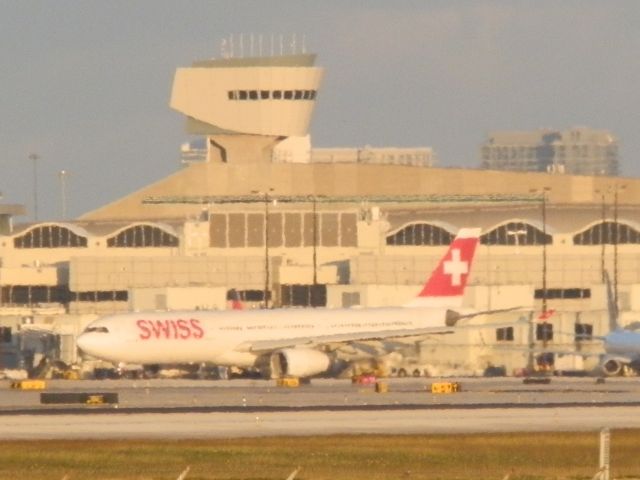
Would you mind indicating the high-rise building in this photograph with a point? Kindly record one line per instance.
(576, 151)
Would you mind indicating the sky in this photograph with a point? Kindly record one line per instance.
(85, 85)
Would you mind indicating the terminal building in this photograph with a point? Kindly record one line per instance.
(257, 211)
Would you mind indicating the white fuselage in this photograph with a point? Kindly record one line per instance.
(226, 337)
(623, 342)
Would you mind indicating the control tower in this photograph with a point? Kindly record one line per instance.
(245, 106)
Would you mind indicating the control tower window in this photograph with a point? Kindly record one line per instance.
(271, 94)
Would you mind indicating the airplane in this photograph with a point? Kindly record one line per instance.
(286, 342)
(621, 346)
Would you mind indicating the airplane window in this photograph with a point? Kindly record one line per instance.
(96, 329)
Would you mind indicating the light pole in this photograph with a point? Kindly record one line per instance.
(602, 236)
(544, 252)
(543, 193)
(266, 249)
(616, 235)
(544, 267)
(543, 197)
(516, 235)
(34, 157)
(62, 175)
(315, 243)
(266, 197)
(316, 239)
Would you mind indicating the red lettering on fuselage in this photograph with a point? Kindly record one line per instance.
(160, 328)
(145, 333)
(183, 328)
(178, 329)
(198, 332)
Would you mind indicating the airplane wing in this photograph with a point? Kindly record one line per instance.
(580, 336)
(269, 345)
(454, 316)
(539, 349)
(341, 338)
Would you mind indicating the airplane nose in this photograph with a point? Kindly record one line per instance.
(81, 341)
(87, 342)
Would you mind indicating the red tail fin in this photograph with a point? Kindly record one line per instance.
(234, 300)
(447, 282)
(546, 315)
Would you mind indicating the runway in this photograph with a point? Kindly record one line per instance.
(214, 409)
(230, 425)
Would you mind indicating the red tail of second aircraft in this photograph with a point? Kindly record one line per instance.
(445, 286)
(234, 300)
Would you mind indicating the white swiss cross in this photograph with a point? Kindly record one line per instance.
(456, 267)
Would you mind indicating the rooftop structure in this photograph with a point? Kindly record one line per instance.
(576, 151)
(7, 212)
(244, 106)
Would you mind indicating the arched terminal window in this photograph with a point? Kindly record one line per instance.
(605, 233)
(515, 233)
(50, 236)
(142, 236)
(420, 234)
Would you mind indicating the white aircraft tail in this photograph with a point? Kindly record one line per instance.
(445, 287)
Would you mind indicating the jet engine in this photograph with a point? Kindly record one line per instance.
(612, 367)
(298, 362)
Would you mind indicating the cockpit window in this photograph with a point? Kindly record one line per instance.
(97, 329)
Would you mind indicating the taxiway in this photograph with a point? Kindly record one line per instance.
(242, 408)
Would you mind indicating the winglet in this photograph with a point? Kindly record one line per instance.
(447, 282)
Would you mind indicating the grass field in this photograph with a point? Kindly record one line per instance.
(523, 456)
